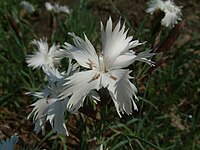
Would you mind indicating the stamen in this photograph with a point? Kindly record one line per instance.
(90, 64)
(95, 77)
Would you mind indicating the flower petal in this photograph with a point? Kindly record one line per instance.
(83, 51)
(123, 60)
(36, 60)
(122, 92)
(170, 19)
(56, 116)
(143, 57)
(154, 5)
(79, 85)
(114, 43)
(128, 58)
(8, 144)
(41, 44)
(49, 109)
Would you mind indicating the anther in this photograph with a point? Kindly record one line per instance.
(112, 77)
(95, 77)
(90, 64)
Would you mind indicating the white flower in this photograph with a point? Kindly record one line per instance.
(45, 57)
(172, 12)
(104, 69)
(64, 9)
(56, 8)
(49, 107)
(49, 6)
(8, 144)
(27, 6)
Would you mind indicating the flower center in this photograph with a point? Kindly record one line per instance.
(101, 67)
(47, 58)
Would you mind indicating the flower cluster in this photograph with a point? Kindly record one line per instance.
(105, 69)
(172, 12)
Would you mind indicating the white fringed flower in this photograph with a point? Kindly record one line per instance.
(27, 6)
(56, 8)
(49, 107)
(45, 57)
(104, 69)
(172, 12)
